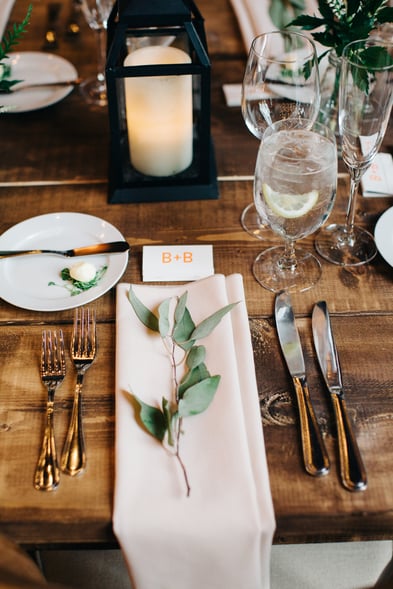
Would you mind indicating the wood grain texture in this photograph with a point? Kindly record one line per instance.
(56, 159)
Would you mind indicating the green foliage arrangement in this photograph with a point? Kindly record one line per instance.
(194, 392)
(344, 21)
(9, 40)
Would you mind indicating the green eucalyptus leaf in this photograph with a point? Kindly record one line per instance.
(192, 377)
(163, 318)
(197, 398)
(207, 325)
(196, 356)
(170, 420)
(152, 418)
(143, 313)
(183, 329)
(180, 308)
(281, 14)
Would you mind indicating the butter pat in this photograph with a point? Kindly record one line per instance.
(83, 271)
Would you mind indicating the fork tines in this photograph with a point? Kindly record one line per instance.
(83, 342)
(52, 353)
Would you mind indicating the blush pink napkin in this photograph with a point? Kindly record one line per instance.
(219, 537)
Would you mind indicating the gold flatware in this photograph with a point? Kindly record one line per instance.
(316, 460)
(83, 353)
(113, 247)
(352, 470)
(47, 474)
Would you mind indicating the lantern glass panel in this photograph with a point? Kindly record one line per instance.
(158, 80)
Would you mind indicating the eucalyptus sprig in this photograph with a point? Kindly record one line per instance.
(282, 12)
(343, 21)
(9, 40)
(195, 389)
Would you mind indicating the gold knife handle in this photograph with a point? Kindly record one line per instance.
(316, 460)
(353, 473)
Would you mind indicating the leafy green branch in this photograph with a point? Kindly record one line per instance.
(341, 22)
(9, 40)
(195, 390)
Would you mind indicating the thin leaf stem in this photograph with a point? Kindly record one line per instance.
(179, 459)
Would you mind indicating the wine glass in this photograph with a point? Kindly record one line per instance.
(365, 102)
(294, 192)
(277, 86)
(96, 13)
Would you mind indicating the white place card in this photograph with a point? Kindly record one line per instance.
(233, 94)
(171, 263)
(378, 179)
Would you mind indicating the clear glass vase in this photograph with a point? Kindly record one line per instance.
(330, 83)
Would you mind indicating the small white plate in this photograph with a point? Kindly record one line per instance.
(34, 66)
(384, 235)
(24, 280)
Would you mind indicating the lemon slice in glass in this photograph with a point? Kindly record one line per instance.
(289, 206)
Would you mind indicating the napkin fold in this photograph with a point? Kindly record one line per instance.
(221, 535)
(5, 11)
(254, 18)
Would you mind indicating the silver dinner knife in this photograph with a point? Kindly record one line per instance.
(353, 473)
(316, 460)
(114, 247)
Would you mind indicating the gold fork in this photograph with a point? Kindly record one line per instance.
(52, 368)
(83, 353)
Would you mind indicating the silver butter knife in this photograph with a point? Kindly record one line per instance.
(316, 460)
(114, 247)
(353, 473)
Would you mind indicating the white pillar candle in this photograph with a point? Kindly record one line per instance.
(159, 114)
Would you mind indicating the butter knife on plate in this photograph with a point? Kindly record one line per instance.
(353, 473)
(316, 460)
(114, 247)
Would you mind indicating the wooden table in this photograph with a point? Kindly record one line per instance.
(56, 160)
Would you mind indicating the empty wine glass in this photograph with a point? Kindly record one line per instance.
(294, 192)
(281, 81)
(365, 102)
(96, 13)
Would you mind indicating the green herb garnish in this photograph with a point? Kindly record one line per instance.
(193, 393)
(76, 287)
(9, 40)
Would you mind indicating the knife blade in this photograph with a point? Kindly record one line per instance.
(352, 470)
(114, 247)
(316, 460)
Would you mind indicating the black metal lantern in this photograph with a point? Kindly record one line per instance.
(158, 82)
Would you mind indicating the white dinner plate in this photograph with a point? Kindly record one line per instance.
(384, 235)
(24, 280)
(34, 66)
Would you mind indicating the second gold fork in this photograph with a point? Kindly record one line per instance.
(83, 353)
